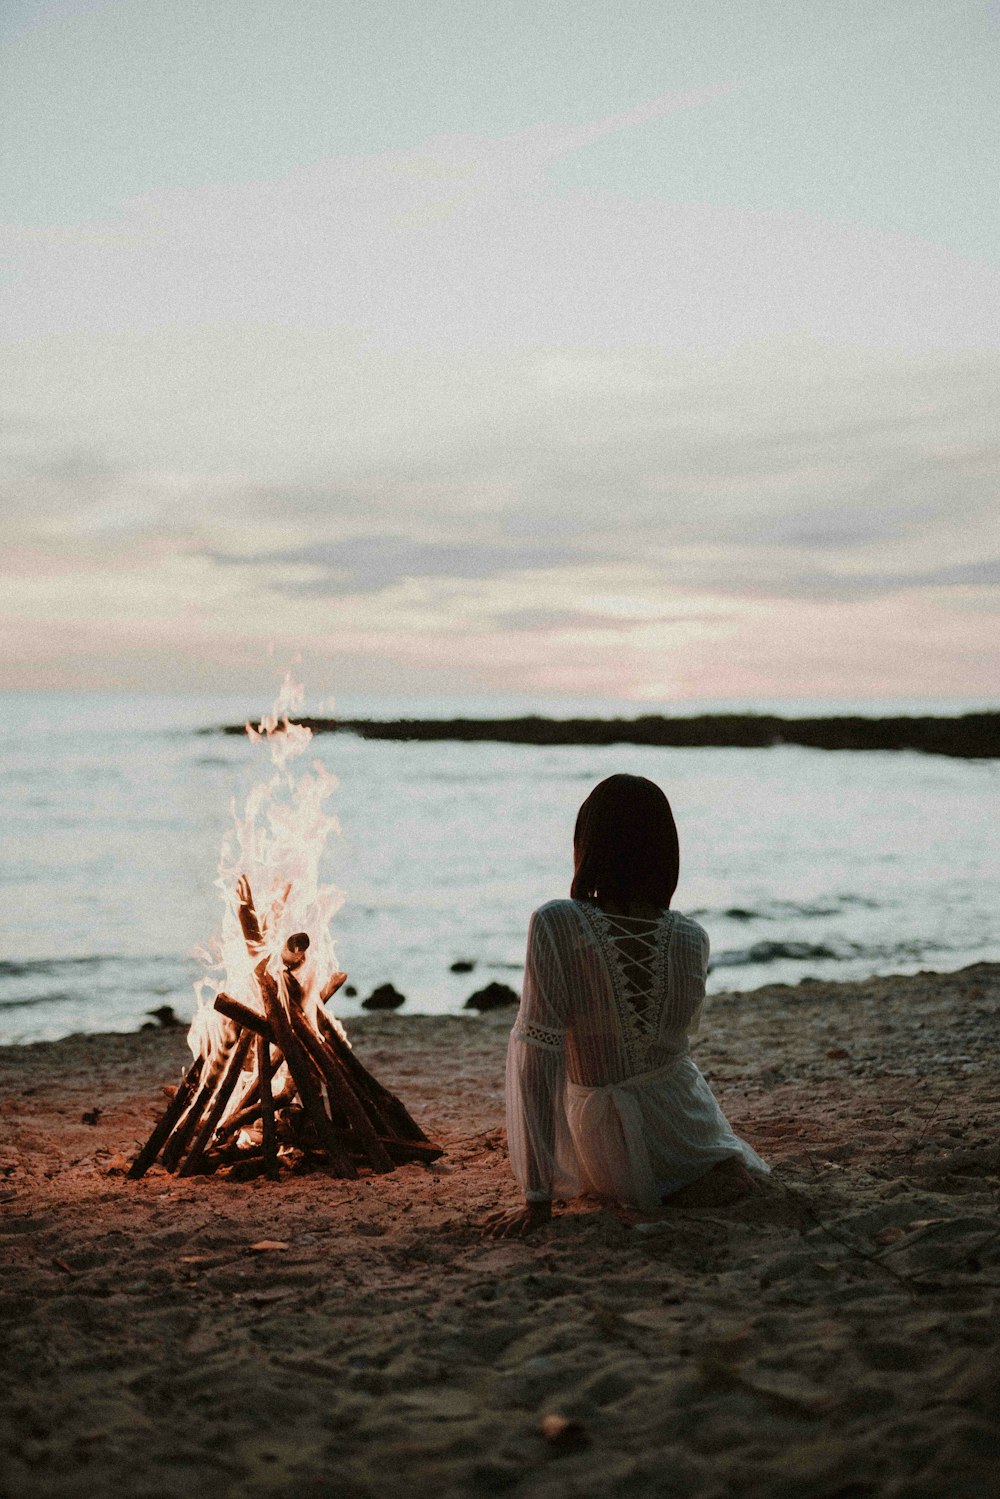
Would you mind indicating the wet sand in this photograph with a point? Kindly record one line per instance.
(834, 1334)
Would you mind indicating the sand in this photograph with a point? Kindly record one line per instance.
(835, 1334)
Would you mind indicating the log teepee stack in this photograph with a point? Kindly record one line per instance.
(327, 1107)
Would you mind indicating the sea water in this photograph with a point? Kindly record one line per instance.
(800, 863)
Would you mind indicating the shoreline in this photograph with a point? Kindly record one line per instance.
(354, 1015)
(970, 736)
(835, 1331)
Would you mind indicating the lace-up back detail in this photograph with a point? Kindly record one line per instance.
(634, 949)
(617, 995)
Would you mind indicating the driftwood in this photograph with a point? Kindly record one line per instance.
(329, 1105)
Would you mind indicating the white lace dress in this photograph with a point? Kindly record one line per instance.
(602, 1096)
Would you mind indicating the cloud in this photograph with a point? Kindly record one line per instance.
(980, 575)
(791, 471)
(370, 564)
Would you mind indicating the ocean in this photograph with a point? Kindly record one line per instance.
(800, 863)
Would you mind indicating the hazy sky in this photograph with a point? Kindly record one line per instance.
(639, 350)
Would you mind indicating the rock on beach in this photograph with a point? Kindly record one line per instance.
(384, 997)
(493, 997)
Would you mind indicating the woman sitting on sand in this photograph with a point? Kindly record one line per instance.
(602, 1096)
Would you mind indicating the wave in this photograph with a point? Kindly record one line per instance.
(781, 910)
(762, 953)
(27, 969)
(773, 952)
(37, 999)
(32, 967)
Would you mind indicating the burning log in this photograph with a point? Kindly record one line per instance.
(251, 1112)
(298, 1064)
(249, 1019)
(220, 1098)
(334, 982)
(267, 1130)
(293, 954)
(180, 1138)
(167, 1124)
(329, 1103)
(386, 1107)
(340, 1092)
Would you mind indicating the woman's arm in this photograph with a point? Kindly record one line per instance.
(696, 977)
(537, 1133)
(687, 960)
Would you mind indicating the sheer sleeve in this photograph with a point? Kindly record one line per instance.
(695, 973)
(538, 1139)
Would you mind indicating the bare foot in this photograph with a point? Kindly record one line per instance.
(726, 1182)
(518, 1222)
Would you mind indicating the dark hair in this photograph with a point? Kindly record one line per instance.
(625, 844)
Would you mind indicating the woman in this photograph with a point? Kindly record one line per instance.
(602, 1096)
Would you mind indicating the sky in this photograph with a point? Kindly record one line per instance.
(543, 349)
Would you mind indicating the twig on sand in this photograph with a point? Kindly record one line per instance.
(909, 1281)
(927, 1123)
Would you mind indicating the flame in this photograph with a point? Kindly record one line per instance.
(276, 845)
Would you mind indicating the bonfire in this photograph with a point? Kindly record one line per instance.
(274, 1082)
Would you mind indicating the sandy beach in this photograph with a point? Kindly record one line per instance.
(834, 1334)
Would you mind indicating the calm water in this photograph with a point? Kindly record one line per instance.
(799, 862)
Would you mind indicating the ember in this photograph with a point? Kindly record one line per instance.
(274, 1080)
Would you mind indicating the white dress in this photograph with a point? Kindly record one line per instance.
(602, 1096)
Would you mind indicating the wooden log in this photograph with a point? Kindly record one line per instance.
(293, 991)
(334, 982)
(361, 1083)
(293, 954)
(228, 1154)
(164, 1128)
(403, 1151)
(385, 1106)
(181, 1137)
(247, 913)
(227, 1083)
(249, 1113)
(299, 1065)
(250, 1019)
(341, 1093)
(367, 1122)
(270, 1139)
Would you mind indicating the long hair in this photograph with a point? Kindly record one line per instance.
(625, 844)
